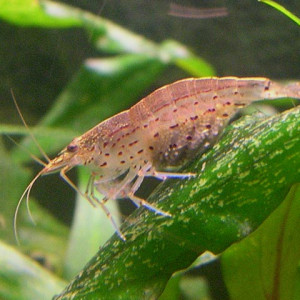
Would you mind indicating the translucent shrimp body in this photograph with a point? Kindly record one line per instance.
(162, 130)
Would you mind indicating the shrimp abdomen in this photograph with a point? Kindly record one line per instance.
(190, 113)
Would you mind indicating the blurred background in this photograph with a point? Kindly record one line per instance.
(252, 40)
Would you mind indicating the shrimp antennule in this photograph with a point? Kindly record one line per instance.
(25, 193)
(27, 127)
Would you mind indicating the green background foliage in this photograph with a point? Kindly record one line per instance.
(90, 68)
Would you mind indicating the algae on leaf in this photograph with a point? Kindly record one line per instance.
(245, 178)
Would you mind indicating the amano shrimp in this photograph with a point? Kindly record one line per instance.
(162, 130)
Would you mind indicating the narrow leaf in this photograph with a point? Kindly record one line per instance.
(282, 10)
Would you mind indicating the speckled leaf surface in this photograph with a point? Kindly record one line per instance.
(246, 176)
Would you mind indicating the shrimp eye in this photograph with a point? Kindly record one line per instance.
(72, 148)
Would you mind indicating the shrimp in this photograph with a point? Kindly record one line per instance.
(162, 130)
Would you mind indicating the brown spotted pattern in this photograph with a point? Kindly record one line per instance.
(163, 129)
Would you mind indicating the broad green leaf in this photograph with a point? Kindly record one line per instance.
(31, 13)
(297, 284)
(244, 179)
(265, 264)
(22, 278)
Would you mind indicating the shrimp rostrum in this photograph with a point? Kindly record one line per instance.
(161, 131)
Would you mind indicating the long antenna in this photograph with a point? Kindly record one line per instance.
(25, 193)
(27, 127)
(35, 158)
